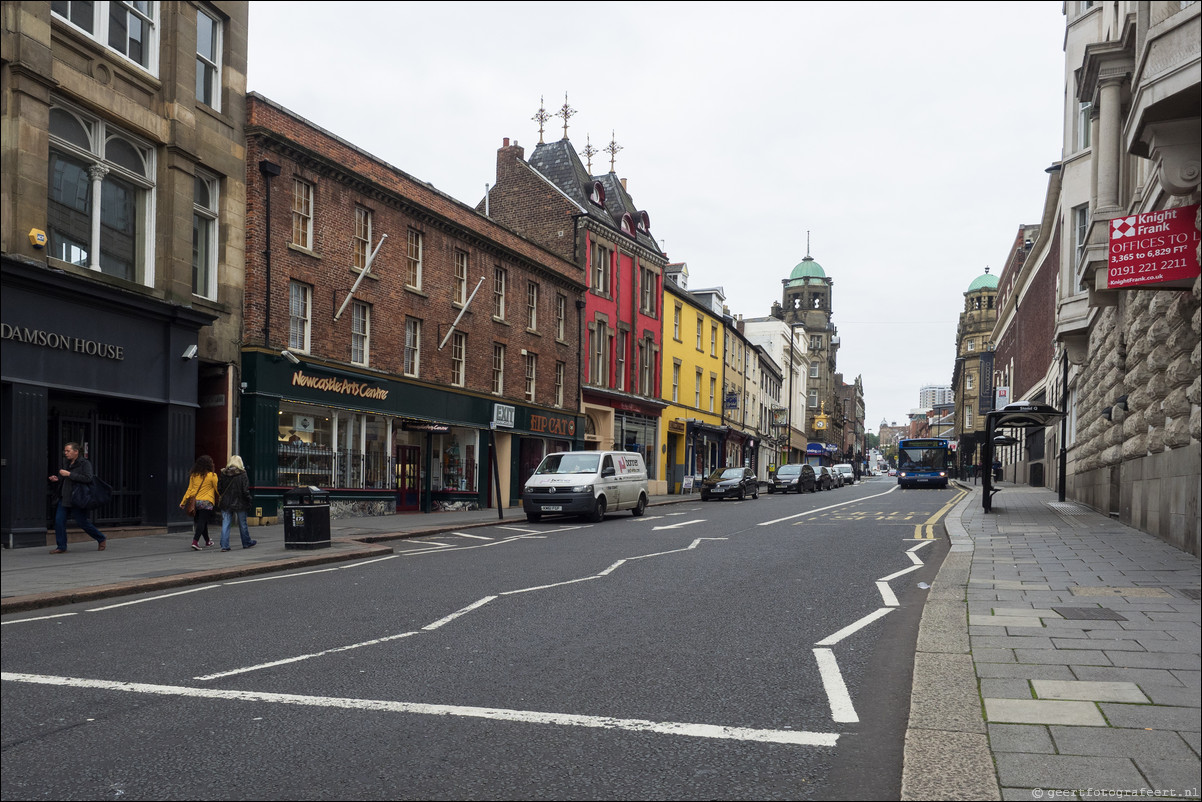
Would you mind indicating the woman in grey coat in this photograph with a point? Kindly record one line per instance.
(233, 499)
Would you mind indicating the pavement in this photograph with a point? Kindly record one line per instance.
(1058, 656)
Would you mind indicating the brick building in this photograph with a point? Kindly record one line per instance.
(592, 221)
(122, 249)
(1023, 339)
(401, 349)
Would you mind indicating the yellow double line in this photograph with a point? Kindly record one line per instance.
(926, 529)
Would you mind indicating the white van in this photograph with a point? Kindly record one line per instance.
(586, 483)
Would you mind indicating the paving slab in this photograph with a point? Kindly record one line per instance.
(1038, 711)
(1089, 691)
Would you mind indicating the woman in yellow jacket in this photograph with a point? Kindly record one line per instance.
(202, 488)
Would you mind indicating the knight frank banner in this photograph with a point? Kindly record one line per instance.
(1153, 248)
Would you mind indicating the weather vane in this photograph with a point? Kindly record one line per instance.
(589, 152)
(612, 149)
(541, 117)
(566, 112)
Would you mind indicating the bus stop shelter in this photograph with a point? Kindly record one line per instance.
(1019, 415)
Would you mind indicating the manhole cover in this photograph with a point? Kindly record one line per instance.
(1088, 614)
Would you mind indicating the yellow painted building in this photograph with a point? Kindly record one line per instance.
(694, 345)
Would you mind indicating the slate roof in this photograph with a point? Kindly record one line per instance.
(559, 163)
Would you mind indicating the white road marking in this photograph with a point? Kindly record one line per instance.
(679, 525)
(153, 598)
(887, 595)
(433, 543)
(831, 640)
(477, 537)
(40, 618)
(919, 546)
(612, 568)
(824, 509)
(299, 658)
(440, 622)
(789, 737)
(842, 709)
(276, 577)
(547, 587)
(902, 572)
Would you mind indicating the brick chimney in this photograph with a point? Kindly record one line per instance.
(507, 158)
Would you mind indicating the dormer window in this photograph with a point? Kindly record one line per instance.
(644, 221)
(597, 196)
(628, 225)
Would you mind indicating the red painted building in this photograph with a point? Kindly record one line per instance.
(593, 222)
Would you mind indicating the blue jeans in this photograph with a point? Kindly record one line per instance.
(81, 520)
(227, 518)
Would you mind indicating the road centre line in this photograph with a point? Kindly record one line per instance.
(40, 618)
(457, 613)
(831, 640)
(824, 509)
(842, 709)
(789, 737)
(452, 616)
(299, 658)
(152, 598)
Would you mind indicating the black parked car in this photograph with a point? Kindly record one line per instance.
(730, 483)
(795, 478)
(826, 478)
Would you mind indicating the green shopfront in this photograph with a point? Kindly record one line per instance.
(379, 445)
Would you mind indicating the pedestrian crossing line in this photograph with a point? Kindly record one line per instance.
(684, 729)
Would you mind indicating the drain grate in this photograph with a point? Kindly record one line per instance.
(1068, 508)
(1088, 614)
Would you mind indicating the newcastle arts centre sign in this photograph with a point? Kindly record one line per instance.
(1153, 249)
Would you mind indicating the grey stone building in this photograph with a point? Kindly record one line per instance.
(121, 243)
(1127, 361)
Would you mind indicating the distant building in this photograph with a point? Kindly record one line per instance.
(807, 302)
(933, 395)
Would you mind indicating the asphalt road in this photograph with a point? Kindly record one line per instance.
(727, 650)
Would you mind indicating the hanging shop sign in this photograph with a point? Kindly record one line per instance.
(1153, 248)
(503, 416)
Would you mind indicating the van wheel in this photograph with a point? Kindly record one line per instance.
(641, 507)
(533, 517)
(598, 514)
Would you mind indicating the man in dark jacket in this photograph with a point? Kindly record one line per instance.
(76, 469)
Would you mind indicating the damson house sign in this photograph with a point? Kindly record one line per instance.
(1153, 248)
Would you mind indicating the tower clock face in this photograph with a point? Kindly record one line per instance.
(819, 424)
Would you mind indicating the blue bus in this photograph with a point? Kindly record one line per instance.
(923, 462)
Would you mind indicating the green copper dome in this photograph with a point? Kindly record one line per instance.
(806, 269)
(983, 282)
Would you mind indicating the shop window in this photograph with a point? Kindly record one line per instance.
(454, 458)
(299, 313)
(361, 241)
(101, 197)
(413, 260)
(360, 332)
(204, 236)
(413, 344)
(461, 269)
(127, 28)
(302, 214)
(208, 60)
(458, 358)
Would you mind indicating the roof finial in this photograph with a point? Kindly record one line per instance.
(612, 149)
(566, 112)
(808, 244)
(987, 270)
(541, 117)
(589, 152)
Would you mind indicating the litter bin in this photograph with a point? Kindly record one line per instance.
(307, 518)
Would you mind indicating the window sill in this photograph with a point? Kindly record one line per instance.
(415, 291)
(533, 332)
(359, 271)
(294, 247)
(500, 320)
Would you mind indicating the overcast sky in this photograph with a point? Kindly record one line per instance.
(909, 138)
